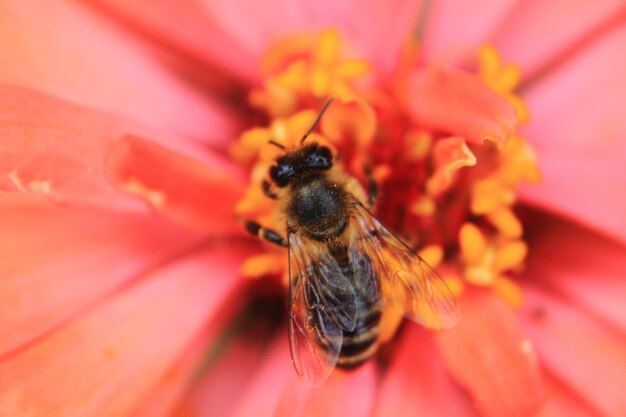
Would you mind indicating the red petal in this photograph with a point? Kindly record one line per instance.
(417, 383)
(217, 394)
(489, 355)
(55, 263)
(184, 189)
(376, 30)
(592, 277)
(275, 390)
(57, 149)
(185, 27)
(562, 403)
(459, 103)
(43, 47)
(265, 385)
(538, 34)
(106, 361)
(173, 383)
(582, 353)
(457, 28)
(578, 132)
(343, 394)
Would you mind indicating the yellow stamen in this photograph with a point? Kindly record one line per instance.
(503, 78)
(328, 48)
(489, 194)
(472, 242)
(419, 144)
(509, 291)
(350, 119)
(268, 263)
(389, 323)
(424, 206)
(352, 68)
(455, 284)
(505, 221)
(432, 254)
(510, 255)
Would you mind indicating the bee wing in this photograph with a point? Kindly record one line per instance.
(406, 279)
(322, 305)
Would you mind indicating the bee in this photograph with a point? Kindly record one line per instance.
(345, 267)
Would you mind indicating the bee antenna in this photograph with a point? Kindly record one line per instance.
(317, 119)
(278, 145)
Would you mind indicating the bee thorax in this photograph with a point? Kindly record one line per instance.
(319, 209)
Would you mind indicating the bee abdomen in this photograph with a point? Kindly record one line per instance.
(361, 343)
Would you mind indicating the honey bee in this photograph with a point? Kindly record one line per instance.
(345, 267)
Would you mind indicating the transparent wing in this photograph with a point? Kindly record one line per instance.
(407, 280)
(322, 305)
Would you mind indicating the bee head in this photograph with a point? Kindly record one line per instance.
(307, 159)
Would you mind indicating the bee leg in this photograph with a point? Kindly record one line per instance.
(267, 190)
(372, 186)
(268, 235)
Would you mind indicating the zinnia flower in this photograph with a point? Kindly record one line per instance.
(134, 140)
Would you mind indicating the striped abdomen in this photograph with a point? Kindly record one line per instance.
(361, 343)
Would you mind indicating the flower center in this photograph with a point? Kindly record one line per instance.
(451, 200)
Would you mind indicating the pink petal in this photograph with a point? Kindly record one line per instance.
(54, 263)
(459, 103)
(184, 27)
(417, 383)
(275, 390)
(562, 403)
(62, 49)
(376, 30)
(578, 131)
(335, 398)
(263, 390)
(580, 352)
(593, 276)
(176, 381)
(106, 361)
(537, 35)
(226, 380)
(489, 355)
(191, 193)
(456, 28)
(57, 149)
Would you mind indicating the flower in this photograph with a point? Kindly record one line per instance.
(111, 294)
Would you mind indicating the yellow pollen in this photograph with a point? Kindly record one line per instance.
(472, 242)
(485, 259)
(350, 119)
(510, 255)
(38, 186)
(328, 48)
(455, 284)
(432, 254)
(154, 197)
(505, 221)
(306, 67)
(268, 263)
(509, 291)
(425, 207)
(419, 144)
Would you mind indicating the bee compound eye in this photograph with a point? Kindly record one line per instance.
(280, 174)
(320, 158)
